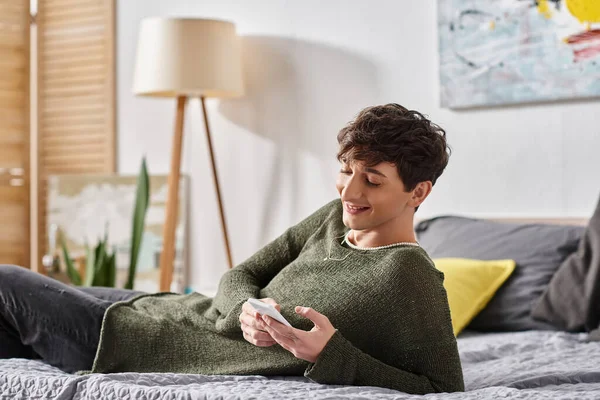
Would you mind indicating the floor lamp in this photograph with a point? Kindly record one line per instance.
(183, 58)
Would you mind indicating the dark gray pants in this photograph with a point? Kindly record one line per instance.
(43, 318)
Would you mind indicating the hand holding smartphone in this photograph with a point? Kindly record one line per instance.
(267, 309)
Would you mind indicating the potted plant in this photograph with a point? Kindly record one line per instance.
(100, 264)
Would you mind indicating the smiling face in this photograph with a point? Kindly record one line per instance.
(391, 157)
(374, 198)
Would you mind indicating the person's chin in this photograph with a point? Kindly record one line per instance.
(352, 222)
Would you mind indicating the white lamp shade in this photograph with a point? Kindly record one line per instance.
(188, 57)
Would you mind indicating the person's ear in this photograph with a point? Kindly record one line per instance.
(420, 193)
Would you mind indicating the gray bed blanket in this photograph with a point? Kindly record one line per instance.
(523, 365)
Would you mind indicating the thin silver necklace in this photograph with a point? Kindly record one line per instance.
(362, 248)
(331, 245)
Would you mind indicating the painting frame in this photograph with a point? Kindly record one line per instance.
(83, 207)
(507, 52)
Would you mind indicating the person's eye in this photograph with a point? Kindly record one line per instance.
(343, 171)
(373, 184)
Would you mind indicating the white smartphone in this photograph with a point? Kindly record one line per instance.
(267, 309)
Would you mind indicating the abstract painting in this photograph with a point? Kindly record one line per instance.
(495, 52)
(84, 207)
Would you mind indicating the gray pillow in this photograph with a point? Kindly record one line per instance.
(538, 250)
(572, 299)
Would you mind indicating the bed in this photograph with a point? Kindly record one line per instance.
(528, 364)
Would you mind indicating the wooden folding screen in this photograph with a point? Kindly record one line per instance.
(14, 131)
(76, 92)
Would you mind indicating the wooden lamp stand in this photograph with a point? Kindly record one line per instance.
(167, 256)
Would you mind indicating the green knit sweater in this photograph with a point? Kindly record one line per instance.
(389, 308)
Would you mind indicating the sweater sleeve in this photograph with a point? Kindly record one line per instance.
(248, 278)
(341, 363)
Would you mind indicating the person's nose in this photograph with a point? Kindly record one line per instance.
(352, 189)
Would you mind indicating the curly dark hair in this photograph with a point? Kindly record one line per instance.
(392, 133)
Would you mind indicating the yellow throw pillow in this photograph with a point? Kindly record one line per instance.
(470, 285)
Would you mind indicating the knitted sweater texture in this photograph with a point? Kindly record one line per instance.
(389, 307)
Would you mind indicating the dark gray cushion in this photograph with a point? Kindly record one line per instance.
(538, 250)
(572, 299)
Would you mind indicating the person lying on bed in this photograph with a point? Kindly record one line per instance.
(366, 303)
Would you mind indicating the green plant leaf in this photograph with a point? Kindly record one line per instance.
(100, 273)
(142, 197)
(111, 270)
(97, 251)
(89, 266)
(72, 273)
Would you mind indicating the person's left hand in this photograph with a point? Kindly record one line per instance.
(302, 344)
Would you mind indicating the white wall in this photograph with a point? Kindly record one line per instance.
(310, 66)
